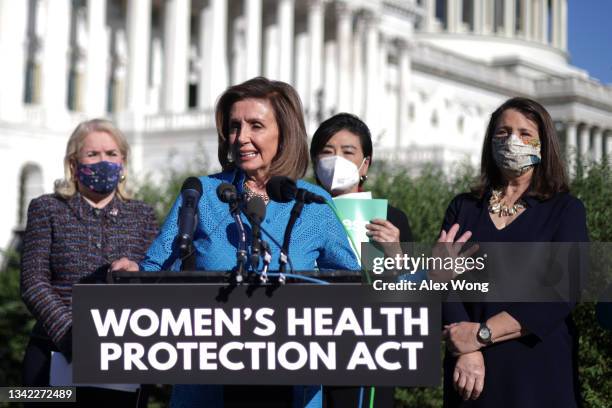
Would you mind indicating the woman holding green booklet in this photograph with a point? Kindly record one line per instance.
(341, 152)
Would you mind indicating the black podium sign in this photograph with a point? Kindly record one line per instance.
(206, 334)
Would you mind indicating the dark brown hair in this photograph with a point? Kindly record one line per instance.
(291, 159)
(333, 125)
(549, 175)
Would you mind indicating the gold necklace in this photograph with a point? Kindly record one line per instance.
(497, 207)
(250, 194)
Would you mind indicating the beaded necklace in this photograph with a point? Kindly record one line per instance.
(250, 194)
(497, 207)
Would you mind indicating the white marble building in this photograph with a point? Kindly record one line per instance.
(424, 74)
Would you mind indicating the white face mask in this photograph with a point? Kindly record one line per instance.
(338, 174)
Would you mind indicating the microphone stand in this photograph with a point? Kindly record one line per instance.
(188, 258)
(267, 257)
(241, 253)
(296, 211)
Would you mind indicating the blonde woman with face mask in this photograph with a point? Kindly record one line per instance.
(73, 235)
(341, 151)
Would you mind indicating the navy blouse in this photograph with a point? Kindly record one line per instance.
(540, 368)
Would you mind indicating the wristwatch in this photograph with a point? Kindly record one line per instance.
(484, 335)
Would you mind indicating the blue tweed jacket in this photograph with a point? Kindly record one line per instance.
(318, 240)
(318, 237)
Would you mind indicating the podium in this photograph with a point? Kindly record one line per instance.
(186, 328)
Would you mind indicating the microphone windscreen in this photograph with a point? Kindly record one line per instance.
(192, 183)
(256, 209)
(226, 192)
(281, 189)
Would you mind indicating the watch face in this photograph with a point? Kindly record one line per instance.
(484, 333)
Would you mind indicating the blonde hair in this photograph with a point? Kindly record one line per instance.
(67, 187)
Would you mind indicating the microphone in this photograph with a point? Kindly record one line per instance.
(256, 211)
(283, 189)
(191, 191)
(227, 193)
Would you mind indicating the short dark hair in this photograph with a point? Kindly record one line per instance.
(291, 159)
(549, 176)
(333, 125)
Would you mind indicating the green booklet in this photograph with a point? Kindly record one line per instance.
(355, 213)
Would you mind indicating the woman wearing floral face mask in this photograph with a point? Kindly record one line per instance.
(341, 151)
(76, 233)
(514, 354)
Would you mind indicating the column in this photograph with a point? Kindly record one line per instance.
(607, 138)
(239, 59)
(301, 79)
(372, 80)
(157, 63)
(214, 75)
(97, 59)
(139, 38)
(358, 74)
(272, 51)
(315, 35)
(526, 10)
(556, 23)
(404, 92)
(509, 17)
(478, 14)
(120, 72)
(563, 25)
(584, 136)
(176, 54)
(286, 15)
(431, 23)
(343, 38)
(253, 37)
(13, 23)
(330, 78)
(597, 145)
(205, 35)
(452, 22)
(488, 12)
(55, 56)
(541, 20)
(79, 55)
(571, 147)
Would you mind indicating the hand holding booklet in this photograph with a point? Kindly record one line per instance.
(356, 210)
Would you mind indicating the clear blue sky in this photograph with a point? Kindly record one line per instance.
(590, 37)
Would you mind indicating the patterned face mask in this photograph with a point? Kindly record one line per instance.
(101, 177)
(514, 156)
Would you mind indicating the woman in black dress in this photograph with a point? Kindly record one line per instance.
(514, 354)
(341, 152)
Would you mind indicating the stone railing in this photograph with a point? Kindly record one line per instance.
(474, 72)
(585, 90)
